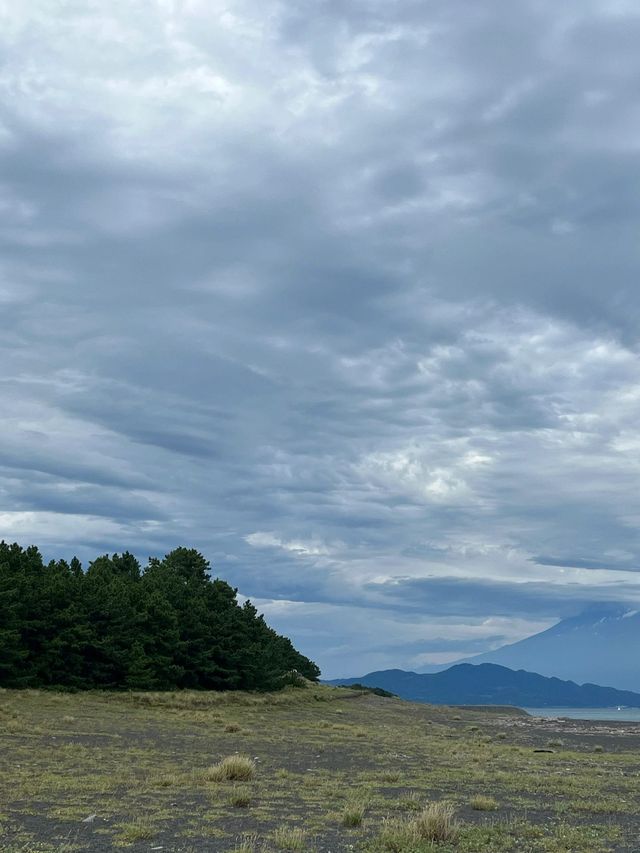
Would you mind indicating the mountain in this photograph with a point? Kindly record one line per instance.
(600, 646)
(489, 684)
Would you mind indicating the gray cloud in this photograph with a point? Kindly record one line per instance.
(345, 299)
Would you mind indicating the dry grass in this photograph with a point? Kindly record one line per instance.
(289, 838)
(233, 768)
(436, 823)
(312, 777)
(353, 814)
(248, 844)
(482, 803)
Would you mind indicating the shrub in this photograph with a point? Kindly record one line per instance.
(233, 768)
(376, 691)
(294, 679)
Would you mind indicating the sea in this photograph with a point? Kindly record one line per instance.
(627, 715)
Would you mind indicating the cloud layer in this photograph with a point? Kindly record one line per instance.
(348, 300)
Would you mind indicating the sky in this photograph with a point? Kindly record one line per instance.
(343, 294)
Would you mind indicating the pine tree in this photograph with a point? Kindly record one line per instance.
(115, 626)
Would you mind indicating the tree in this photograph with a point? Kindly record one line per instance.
(115, 626)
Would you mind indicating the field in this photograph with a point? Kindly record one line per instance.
(316, 769)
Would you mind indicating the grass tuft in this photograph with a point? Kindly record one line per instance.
(353, 814)
(436, 823)
(246, 844)
(289, 838)
(481, 803)
(137, 830)
(240, 797)
(233, 768)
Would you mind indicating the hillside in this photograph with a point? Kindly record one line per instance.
(489, 684)
(592, 647)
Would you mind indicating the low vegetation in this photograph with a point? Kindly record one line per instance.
(100, 771)
(233, 768)
(482, 803)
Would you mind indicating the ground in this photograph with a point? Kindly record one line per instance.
(334, 770)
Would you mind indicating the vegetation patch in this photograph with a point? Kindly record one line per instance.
(482, 803)
(133, 764)
(238, 768)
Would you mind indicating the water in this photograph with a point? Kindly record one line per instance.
(627, 715)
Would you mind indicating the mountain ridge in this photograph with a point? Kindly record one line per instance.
(592, 647)
(493, 684)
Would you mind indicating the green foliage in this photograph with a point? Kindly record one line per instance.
(377, 691)
(116, 626)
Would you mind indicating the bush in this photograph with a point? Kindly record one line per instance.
(293, 679)
(377, 691)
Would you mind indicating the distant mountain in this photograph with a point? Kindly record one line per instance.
(489, 684)
(600, 646)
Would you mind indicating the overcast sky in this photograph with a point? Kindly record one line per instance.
(344, 294)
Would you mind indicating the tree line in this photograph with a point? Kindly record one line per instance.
(116, 626)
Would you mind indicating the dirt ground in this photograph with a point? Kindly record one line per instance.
(334, 770)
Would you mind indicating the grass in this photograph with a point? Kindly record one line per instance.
(137, 830)
(436, 823)
(233, 768)
(305, 779)
(289, 838)
(482, 803)
(240, 797)
(353, 814)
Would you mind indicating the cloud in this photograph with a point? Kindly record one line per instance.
(346, 300)
(261, 539)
